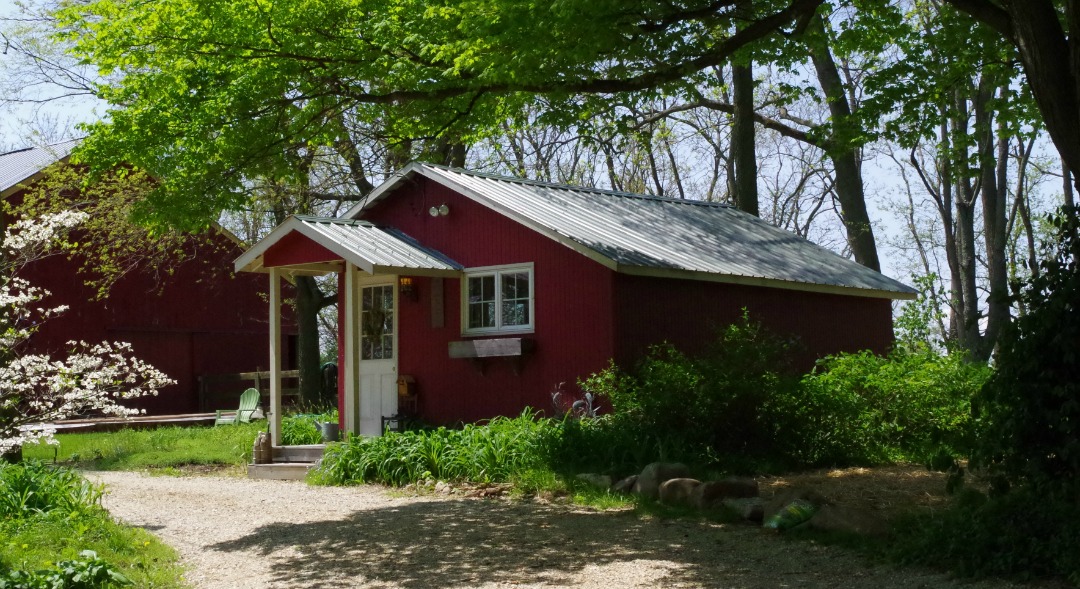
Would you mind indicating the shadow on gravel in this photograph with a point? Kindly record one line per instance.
(468, 542)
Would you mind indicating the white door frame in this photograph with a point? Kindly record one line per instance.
(357, 404)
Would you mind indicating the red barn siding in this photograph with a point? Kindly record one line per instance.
(688, 314)
(573, 327)
(296, 249)
(199, 319)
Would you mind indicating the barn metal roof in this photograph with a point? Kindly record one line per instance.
(646, 235)
(374, 249)
(20, 165)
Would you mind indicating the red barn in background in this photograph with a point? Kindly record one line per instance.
(464, 296)
(200, 319)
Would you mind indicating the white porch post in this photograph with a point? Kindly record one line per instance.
(275, 357)
(350, 371)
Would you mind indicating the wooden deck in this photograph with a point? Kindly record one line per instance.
(108, 424)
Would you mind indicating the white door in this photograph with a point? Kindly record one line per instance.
(378, 353)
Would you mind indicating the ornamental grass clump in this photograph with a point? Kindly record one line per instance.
(494, 451)
(302, 428)
(32, 488)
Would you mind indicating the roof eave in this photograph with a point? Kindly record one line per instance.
(31, 179)
(765, 282)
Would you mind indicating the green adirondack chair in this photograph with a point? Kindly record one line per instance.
(249, 402)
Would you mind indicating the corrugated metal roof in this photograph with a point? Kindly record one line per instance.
(372, 248)
(18, 165)
(659, 236)
(382, 247)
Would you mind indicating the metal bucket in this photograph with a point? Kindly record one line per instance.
(329, 431)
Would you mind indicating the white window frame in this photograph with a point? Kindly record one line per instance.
(497, 271)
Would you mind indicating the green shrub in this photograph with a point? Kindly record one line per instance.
(712, 408)
(86, 572)
(738, 407)
(744, 372)
(1029, 413)
(1019, 535)
(613, 444)
(865, 409)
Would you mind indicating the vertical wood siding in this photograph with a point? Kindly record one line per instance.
(573, 327)
(296, 249)
(688, 314)
(200, 319)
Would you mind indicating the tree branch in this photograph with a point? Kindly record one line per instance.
(988, 13)
(724, 107)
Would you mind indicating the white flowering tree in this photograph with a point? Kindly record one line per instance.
(36, 389)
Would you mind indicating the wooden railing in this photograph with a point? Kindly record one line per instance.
(222, 391)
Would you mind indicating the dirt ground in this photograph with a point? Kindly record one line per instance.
(887, 490)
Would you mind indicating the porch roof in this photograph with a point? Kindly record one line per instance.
(376, 250)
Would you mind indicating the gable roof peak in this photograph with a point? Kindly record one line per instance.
(557, 186)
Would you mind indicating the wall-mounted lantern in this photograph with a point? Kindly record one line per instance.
(407, 287)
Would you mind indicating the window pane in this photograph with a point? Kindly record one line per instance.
(515, 298)
(515, 285)
(515, 313)
(481, 288)
(377, 323)
(481, 315)
(481, 308)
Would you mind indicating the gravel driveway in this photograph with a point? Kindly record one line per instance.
(240, 533)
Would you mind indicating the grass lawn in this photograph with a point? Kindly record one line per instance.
(51, 516)
(161, 449)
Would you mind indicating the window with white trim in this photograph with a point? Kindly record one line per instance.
(497, 299)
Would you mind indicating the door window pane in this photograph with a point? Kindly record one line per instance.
(377, 322)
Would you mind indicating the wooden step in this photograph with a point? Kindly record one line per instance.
(281, 471)
(310, 453)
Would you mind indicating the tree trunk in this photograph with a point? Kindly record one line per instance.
(995, 235)
(309, 301)
(845, 156)
(1050, 59)
(1066, 178)
(743, 141)
(968, 320)
(966, 292)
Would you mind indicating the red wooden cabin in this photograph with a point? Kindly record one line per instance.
(476, 295)
(198, 320)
